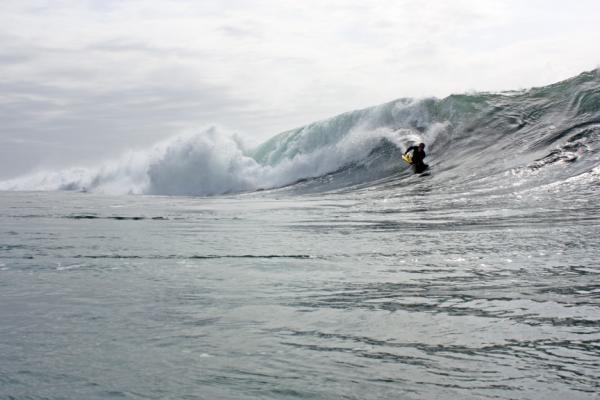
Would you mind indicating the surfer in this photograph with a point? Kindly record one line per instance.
(417, 157)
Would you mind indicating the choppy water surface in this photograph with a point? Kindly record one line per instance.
(381, 292)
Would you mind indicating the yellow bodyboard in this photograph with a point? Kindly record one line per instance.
(407, 158)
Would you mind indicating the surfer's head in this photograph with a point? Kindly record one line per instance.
(421, 146)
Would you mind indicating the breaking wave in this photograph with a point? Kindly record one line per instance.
(541, 135)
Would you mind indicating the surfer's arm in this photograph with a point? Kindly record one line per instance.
(410, 148)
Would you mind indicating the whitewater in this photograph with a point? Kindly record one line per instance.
(318, 265)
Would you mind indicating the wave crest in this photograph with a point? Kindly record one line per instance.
(469, 138)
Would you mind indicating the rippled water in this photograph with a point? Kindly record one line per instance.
(389, 291)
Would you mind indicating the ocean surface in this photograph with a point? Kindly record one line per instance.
(318, 265)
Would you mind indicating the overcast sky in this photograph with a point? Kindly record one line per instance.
(85, 80)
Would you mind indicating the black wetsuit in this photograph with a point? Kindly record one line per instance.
(417, 159)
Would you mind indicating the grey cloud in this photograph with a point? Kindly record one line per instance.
(239, 32)
(14, 57)
(125, 45)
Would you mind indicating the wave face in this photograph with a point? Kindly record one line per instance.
(540, 136)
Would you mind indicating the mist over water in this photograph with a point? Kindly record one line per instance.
(347, 276)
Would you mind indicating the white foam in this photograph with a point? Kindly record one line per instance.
(209, 162)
